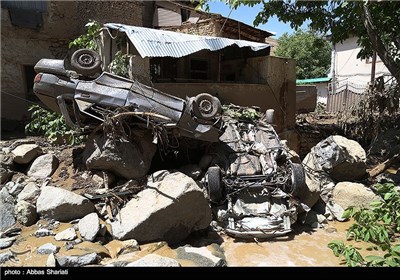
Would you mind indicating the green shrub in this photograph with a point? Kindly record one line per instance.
(51, 125)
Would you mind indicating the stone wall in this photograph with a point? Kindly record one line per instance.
(63, 21)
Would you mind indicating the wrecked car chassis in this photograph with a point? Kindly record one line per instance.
(252, 182)
(88, 98)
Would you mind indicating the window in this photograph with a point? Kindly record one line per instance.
(199, 69)
(185, 14)
(26, 13)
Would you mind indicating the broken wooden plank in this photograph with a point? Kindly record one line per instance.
(380, 168)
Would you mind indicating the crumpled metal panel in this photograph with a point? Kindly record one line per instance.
(161, 43)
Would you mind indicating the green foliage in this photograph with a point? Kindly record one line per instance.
(52, 125)
(241, 113)
(379, 225)
(119, 65)
(312, 53)
(88, 40)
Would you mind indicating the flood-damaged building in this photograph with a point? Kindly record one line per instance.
(184, 53)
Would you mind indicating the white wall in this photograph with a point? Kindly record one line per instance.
(348, 67)
(322, 92)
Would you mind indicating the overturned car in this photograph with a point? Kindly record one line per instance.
(252, 181)
(86, 96)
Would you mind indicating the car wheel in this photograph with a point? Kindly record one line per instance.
(214, 183)
(298, 178)
(206, 106)
(86, 62)
(270, 116)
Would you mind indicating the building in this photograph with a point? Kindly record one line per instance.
(320, 84)
(31, 30)
(350, 75)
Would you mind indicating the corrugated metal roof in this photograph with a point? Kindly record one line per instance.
(314, 80)
(160, 43)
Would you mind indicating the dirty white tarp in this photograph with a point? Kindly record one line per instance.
(160, 43)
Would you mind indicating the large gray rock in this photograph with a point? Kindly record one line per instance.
(348, 194)
(168, 210)
(77, 261)
(7, 242)
(5, 174)
(25, 153)
(89, 226)
(43, 166)
(48, 248)
(14, 188)
(62, 205)
(154, 260)
(7, 218)
(30, 191)
(66, 235)
(342, 159)
(6, 256)
(25, 213)
(201, 256)
(129, 159)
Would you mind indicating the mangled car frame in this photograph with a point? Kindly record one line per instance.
(250, 180)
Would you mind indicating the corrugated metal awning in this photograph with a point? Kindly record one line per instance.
(160, 43)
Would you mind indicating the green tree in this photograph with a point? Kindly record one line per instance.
(312, 53)
(375, 24)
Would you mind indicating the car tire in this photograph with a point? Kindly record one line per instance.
(298, 178)
(206, 106)
(214, 183)
(270, 116)
(86, 62)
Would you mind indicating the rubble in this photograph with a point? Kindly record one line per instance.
(152, 215)
(348, 194)
(77, 261)
(66, 235)
(43, 166)
(89, 226)
(151, 260)
(200, 256)
(48, 248)
(62, 205)
(129, 159)
(7, 215)
(30, 191)
(25, 213)
(25, 153)
(341, 158)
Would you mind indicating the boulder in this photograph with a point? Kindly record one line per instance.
(348, 194)
(167, 210)
(25, 153)
(201, 256)
(7, 218)
(129, 159)
(5, 256)
(7, 242)
(25, 213)
(5, 174)
(51, 261)
(14, 188)
(154, 260)
(76, 261)
(89, 226)
(48, 248)
(43, 166)
(62, 205)
(30, 191)
(342, 159)
(66, 235)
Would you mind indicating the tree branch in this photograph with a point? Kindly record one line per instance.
(378, 44)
